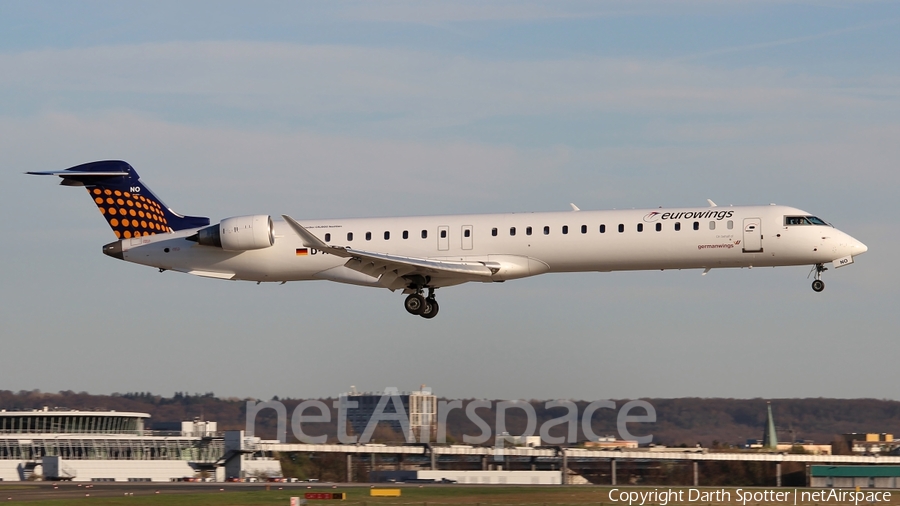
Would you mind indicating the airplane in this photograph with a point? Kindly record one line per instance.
(419, 254)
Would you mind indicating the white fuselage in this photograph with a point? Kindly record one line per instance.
(744, 236)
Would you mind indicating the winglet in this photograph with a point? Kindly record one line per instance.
(711, 203)
(309, 240)
(574, 207)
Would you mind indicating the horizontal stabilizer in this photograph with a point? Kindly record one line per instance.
(68, 173)
(128, 206)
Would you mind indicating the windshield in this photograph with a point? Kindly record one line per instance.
(804, 220)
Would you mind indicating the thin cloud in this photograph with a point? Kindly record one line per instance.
(783, 42)
(432, 12)
(398, 86)
(375, 177)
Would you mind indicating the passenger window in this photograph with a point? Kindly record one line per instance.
(584, 229)
(696, 225)
(621, 228)
(730, 224)
(424, 234)
(512, 230)
(565, 229)
(528, 231)
(349, 236)
(659, 227)
(677, 226)
(406, 234)
(712, 225)
(494, 232)
(327, 237)
(602, 229)
(640, 227)
(467, 233)
(546, 230)
(443, 234)
(387, 235)
(368, 236)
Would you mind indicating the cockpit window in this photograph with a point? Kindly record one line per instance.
(803, 220)
(795, 220)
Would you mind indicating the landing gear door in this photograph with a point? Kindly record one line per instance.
(752, 235)
(443, 238)
(466, 237)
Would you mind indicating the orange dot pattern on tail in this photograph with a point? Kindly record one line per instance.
(128, 214)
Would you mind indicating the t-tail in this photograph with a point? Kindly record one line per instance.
(130, 208)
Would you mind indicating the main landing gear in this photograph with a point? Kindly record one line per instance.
(818, 285)
(418, 304)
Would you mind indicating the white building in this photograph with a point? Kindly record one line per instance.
(114, 446)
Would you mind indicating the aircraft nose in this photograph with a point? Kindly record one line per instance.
(858, 248)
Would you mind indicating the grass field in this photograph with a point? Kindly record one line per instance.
(426, 496)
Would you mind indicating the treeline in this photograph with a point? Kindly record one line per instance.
(684, 421)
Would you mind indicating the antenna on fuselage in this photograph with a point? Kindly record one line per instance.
(711, 203)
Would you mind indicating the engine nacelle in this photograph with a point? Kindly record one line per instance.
(241, 233)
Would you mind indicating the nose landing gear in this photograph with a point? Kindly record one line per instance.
(818, 285)
(420, 305)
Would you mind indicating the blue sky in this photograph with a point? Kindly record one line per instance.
(395, 108)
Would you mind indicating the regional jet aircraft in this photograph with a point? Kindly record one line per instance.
(418, 254)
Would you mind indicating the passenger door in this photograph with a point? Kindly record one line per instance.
(752, 235)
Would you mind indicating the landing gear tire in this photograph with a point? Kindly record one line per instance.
(431, 309)
(415, 304)
(818, 285)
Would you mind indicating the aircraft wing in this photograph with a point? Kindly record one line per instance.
(392, 267)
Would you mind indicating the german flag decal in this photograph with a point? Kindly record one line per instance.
(301, 252)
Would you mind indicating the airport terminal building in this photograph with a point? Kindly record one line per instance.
(115, 446)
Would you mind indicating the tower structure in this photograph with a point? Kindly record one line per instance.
(770, 438)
